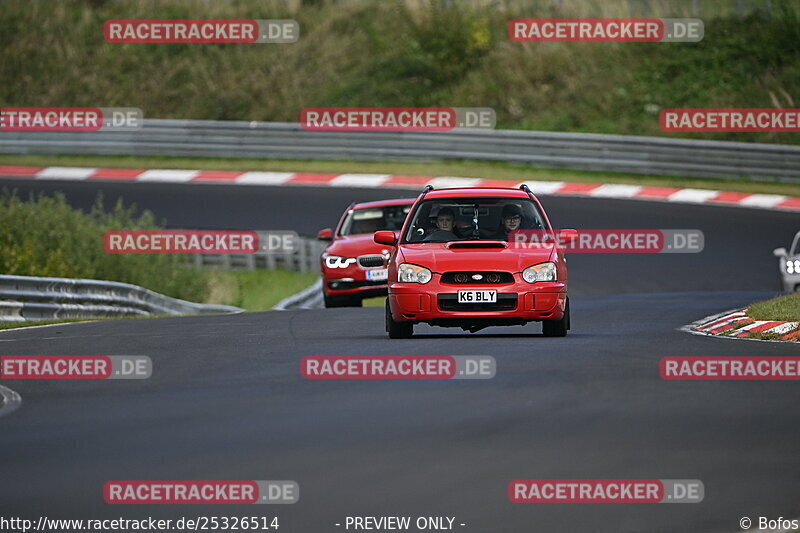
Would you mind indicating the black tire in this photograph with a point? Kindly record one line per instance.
(341, 301)
(557, 328)
(397, 330)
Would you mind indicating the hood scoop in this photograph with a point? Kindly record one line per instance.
(478, 244)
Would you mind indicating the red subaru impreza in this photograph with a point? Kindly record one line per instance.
(456, 262)
(353, 266)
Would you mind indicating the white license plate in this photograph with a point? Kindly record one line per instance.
(477, 297)
(381, 274)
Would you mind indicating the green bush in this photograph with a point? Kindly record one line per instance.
(44, 236)
(404, 53)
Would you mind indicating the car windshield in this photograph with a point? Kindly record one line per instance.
(372, 219)
(455, 219)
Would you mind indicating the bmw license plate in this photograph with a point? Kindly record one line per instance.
(381, 274)
(477, 297)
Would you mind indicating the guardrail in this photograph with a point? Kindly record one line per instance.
(309, 298)
(283, 140)
(25, 298)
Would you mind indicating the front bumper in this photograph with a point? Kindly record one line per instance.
(351, 286)
(790, 281)
(517, 302)
(351, 281)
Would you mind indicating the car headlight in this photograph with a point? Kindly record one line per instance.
(334, 261)
(408, 273)
(540, 272)
(793, 267)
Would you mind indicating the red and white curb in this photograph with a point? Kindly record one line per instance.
(390, 181)
(738, 325)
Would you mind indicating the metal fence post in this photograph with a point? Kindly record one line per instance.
(302, 258)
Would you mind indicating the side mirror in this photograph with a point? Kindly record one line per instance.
(568, 236)
(325, 234)
(779, 252)
(388, 238)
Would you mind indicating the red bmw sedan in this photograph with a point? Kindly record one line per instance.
(456, 262)
(353, 266)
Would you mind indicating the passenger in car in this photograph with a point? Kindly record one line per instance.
(510, 220)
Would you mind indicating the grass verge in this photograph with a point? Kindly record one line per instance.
(256, 290)
(379, 301)
(467, 169)
(780, 308)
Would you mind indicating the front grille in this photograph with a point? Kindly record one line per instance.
(370, 261)
(505, 302)
(487, 278)
(341, 285)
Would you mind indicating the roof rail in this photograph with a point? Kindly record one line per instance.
(427, 189)
(524, 187)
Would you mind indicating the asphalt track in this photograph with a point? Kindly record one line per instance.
(226, 400)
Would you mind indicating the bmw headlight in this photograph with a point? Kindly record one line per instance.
(334, 261)
(540, 272)
(408, 273)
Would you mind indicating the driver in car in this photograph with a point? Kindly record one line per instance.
(445, 226)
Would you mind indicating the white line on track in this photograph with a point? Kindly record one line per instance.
(11, 401)
(615, 191)
(65, 173)
(693, 196)
(359, 180)
(263, 178)
(22, 328)
(168, 176)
